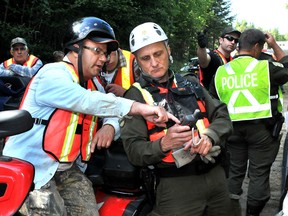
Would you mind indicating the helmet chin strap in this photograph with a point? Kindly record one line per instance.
(80, 68)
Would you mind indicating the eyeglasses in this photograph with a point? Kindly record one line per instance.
(98, 51)
(19, 49)
(230, 38)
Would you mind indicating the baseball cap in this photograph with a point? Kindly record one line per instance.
(229, 30)
(18, 40)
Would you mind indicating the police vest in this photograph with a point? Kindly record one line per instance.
(68, 133)
(244, 85)
(149, 97)
(124, 76)
(31, 61)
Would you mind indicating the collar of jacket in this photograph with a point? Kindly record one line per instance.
(146, 81)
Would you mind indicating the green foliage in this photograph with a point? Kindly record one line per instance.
(43, 22)
(188, 19)
(219, 18)
(243, 25)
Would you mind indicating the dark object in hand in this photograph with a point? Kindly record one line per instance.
(202, 39)
(191, 120)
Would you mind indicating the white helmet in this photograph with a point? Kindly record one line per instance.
(145, 34)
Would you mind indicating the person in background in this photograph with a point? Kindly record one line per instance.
(196, 186)
(58, 56)
(65, 104)
(120, 72)
(22, 63)
(250, 88)
(209, 62)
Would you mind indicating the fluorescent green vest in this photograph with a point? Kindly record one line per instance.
(244, 85)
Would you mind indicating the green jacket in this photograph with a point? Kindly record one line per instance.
(142, 152)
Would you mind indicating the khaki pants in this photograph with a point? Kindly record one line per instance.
(69, 192)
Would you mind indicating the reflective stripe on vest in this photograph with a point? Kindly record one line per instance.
(201, 124)
(68, 132)
(31, 61)
(280, 100)
(155, 136)
(124, 76)
(244, 85)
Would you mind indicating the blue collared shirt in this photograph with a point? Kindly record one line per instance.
(53, 87)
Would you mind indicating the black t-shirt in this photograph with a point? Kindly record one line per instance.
(210, 70)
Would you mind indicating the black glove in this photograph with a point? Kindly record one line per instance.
(202, 39)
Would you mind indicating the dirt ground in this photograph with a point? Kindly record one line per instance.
(272, 207)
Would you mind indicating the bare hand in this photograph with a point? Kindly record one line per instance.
(103, 137)
(176, 137)
(155, 114)
(270, 39)
(203, 145)
(115, 89)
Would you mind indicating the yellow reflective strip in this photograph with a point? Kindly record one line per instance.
(9, 62)
(147, 96)
(200, 126)
(73, 72)
(30, 61)
(92, 126)
(125, 71)
(69, 138)
(125, 75)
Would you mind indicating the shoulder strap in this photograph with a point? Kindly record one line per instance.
(193, 86)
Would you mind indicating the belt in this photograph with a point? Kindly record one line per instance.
(40, 121)
(45, 122)
(194, 168)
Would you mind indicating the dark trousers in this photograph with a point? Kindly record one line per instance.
(196, 195)
(251, 147)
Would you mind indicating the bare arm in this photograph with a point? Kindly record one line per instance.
(278, 52)
(204, 58)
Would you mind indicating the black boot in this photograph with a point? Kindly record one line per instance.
(253, 210)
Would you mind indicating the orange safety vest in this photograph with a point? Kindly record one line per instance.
(31, 61)
(201, 123)
(125, 76)
(222, 58)
(68, 132)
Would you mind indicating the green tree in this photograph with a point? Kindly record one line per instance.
(219, 17)
(43, 22)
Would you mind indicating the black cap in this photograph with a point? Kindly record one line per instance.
(230, 30)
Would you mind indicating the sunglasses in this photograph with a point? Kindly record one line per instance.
(230, 38)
